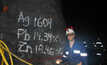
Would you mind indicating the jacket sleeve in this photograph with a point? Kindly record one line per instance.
(64, 55)
(83, 55)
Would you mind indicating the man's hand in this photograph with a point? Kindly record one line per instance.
(80, 63)
(58, 61)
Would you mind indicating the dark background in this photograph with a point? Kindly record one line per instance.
(82, 14)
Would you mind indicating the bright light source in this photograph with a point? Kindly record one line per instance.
(101, 45)
(98, 42)
(77, 51)
(99, 54)
(58, 61)
(64, 56)
(83, 54)
(66, 52)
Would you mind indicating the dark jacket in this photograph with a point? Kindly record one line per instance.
(74, 55)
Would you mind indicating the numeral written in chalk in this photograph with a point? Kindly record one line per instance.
(23, 34)
(40, 22)
(43, 22)
(23, 47)
(47, 50)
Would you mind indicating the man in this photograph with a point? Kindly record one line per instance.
(73, 53)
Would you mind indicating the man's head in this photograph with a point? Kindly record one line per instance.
(70, 33)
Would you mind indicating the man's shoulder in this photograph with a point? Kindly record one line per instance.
(79, 45)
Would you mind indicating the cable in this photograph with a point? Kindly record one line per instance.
(3, 56)
(3, 47)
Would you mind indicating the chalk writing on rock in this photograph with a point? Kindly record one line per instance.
(35, 28)
(39, 21)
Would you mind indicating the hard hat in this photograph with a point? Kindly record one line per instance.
(69, 30)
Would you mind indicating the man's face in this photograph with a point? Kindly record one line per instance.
(71, 37)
